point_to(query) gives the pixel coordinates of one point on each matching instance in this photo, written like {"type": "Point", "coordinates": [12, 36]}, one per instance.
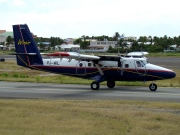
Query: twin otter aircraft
{"type": "Point", "coordinates": [97, 68]}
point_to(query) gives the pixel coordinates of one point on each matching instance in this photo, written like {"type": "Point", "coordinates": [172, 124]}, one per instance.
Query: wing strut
{"type": "Point", "coordinates": [99, 69]}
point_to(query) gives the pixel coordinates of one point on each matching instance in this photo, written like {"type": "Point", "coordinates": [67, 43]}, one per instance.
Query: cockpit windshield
{"type": "Point", "coordinates": [141, 63]}
{"type": "Point", "coordinates": [144, 62]}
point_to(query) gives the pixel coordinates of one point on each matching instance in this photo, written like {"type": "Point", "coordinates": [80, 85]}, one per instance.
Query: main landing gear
{"type": "Point", "coordinates": [95, 85]}
{"type": "Point", "coordinates": [110, 84]}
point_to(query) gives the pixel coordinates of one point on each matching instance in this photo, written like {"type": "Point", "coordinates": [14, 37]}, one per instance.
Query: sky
{"type": "Point", "coordinates": [75, 18]}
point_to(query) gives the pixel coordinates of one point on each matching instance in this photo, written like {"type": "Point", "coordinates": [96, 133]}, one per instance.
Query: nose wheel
{"type": "Point", "coordinates": [153, 87]}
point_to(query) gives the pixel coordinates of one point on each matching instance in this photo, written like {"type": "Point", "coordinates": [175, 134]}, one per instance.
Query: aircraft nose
{"type": "Point", "coordinates": [170, 74]}
{"type": "Point", "coordinates": [173, 74]}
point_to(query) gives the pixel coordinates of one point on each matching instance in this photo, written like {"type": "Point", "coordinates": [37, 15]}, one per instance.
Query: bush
{"type": "Point", "coordinates": [15, 75]}
{"type": "Point", "coordinates": [4, 74]}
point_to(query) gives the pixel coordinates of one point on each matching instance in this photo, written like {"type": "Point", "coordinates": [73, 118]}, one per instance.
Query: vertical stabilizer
{"type": "Point", "coordinates": [27, 52]}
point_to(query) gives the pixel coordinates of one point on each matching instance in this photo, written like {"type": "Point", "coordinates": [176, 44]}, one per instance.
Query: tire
{"type": "Point", "coordinates": [153, 87]}
{"type": "Point", "coordinates": [110, 84]}
{"type": "Point", "coordinates": [94, 85]}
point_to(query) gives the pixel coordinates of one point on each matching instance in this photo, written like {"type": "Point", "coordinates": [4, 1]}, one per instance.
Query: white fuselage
{"type": "Point", "coordinates": [125, 63]}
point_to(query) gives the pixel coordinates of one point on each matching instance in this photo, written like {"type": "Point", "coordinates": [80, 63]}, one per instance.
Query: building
{"type": "Point", "coordinates": [130, 38]}
{"type": "Point", "coordinates": [44, 43]}
{"type": "Point", "coordinates": [69, 40]}
{"type": "Point", "coordinates": [2, 39]}
{"type": "Point", "coordinates": [146, 43]}
{"type": "Point", "coordinates": [68, 47]}
{"type": "Point", "coordinates": [2, 47]}
{"type": "Point", "coordinates": [102, 45]}
{"type": "Point", "coordinates": [4, 34]}
{"type": "Point", "coordinates": [2, 31]}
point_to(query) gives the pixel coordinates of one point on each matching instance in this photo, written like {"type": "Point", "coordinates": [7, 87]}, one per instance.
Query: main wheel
{"type": "Point", "coordinates": [110, 84]}
{"type": "Point", "coordinates": [153, 87]}
{"type": "Point", "coordinates": [94, 85]}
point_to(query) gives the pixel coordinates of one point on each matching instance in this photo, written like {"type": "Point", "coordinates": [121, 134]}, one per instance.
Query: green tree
{"type": "Point", "coordinates": [9, 40]}
{"type": "Point", "coordinates": [41, 46]}
{"type": "Point", "coordinates": [135, 46]}
{"type": "Point", "coordinates": [83, 38]}
{"type": "Point", "coordinates": [150, 39]}
{"type": "Point", "coordinates": [84, 44]}
{"type": "Point", "coordinates": [142, 39]}
{"type": "Point", "coordinates": [121, 43]}
{"type": "Point", "coordinates": [55, 41]}
{"type": "Point", "coordinates": [116, 36]}
{"type": "Point", "coordinates": [77, 41]}
{"type": "Point", "coordinates": [110, 49]}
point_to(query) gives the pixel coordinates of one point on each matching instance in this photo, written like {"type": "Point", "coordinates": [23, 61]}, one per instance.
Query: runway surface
{"type": "Point", "coordinates": [167, 62]}
{"type": "Point", "coordinates": [84, 92]}
{"type": "Point", "coordinates": [61, 91]}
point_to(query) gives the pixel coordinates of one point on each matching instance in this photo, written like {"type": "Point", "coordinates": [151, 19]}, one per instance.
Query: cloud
{"type": "Point", "coordinates": [3, 0]}
{"type": "Point", "coordinates": [71, 18]}
{"type": "Point", "coordinates": [18, 3]}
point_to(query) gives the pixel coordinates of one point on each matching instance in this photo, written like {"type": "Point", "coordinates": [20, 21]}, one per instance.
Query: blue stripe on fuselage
{"type": "Point", "coordinates": [110, 73]}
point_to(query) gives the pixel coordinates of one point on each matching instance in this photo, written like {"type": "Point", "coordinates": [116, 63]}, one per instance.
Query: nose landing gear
{"type": "Point", "coordinates": [153, 87]}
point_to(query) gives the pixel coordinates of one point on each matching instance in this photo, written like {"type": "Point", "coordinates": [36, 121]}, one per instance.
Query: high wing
{"type": "Point", "coordinates": [74, 55]}
{"type": "Point", "coordinates": [137, 53]}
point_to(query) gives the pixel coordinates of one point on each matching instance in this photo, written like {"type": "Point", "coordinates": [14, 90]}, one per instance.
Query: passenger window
{"type": "Point", "coordinates": [89, 64]}
{"type": "Point", "coordinates": [126, 65]}
{"type": "Point", "coordinates": [100, 65]}
{"type": "Point", "coordinates": [80, 64]}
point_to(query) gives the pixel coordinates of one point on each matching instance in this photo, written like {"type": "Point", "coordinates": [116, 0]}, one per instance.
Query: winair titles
{"type": "Point", "coordinates": [22, 42]}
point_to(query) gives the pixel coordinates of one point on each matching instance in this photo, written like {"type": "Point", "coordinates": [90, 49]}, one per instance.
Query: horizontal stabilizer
{"type": "Point", "coordinates": [24, 54]}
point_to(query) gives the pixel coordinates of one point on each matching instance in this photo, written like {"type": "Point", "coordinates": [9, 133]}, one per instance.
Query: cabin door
{"type": "Point", "coordinates": [81, 68]}
{"type": "Point", "coordinates": [120, 66]}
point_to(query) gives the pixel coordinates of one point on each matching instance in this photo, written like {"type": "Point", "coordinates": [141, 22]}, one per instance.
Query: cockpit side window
{"type": "Point", "coordinates": [144, 62]}
{"type": "Point", "coordinates": [138, 63]}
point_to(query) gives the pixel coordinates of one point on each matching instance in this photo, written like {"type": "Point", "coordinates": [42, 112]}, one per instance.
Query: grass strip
{"type": "Point", "coordinates": [43, 116]}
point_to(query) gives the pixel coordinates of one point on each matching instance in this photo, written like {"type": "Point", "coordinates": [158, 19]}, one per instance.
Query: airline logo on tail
{"type": "Point", "coordinates": [22, 42]}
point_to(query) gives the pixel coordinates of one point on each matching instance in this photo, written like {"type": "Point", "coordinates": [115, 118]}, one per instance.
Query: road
{"type": "Point", "coordinates": [22, 90]}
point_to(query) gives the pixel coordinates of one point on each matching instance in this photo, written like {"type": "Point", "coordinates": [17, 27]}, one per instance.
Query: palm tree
{"type": "Point", "coordinates": [116, 36]}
